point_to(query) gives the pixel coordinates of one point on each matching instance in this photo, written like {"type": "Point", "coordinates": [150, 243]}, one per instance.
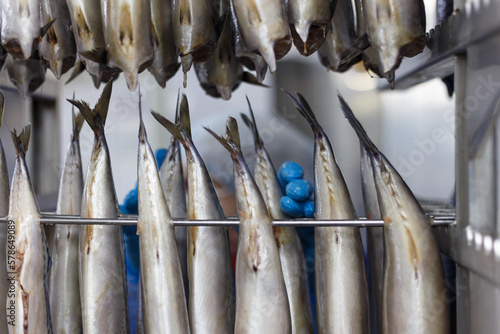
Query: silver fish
{"type": "Point", "coordinates": [263, 24]}
{"type": "Point", "coordinates": [166, 54]}
{"type": "Point", "coordinates": [211, 293]}
{"type": "Point", "coordinates": [4, 211]}
{"type": "Point", "coordinates": [261, 298]}
{"type": "Point", "coordinates": [64, 279]}
{"type": "Point", "coordinates": [57, 48]}
{"type": "Point", "coordinates": [309, 21]}
{"type": "Point", "coordinates": [341, 286]}
{"type": "Point", "coordinates": [128, 37]}
{"type": "Point", "coordinates": [26, 74]}
{"type": "Point", "coordinates": [290, 250]}
{"type": "Point", "coordinates": [413, 270]}
{"type": "Point", "coordinates": [28, 260]}
{"type": "Point", "coordinates": [164, 301]}
{"type": "Point", "coordinates": [103, 288]}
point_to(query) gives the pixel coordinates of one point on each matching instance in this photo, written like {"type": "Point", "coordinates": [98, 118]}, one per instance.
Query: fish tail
{"type": "Point", "coordinates": [22, 140]}
{"type": "Point", "coordinates": [231, 141]}
{"type": "Point", "coordinates": [2, 106]}
{"type": "Point", "coordinates": [142, 129]}
{"type": "Point", "coordinates": [77, 69]}
{"type": "Point", "coordinates": [96, 118]}
{"type": "Point", "coordinates": [252, 125]}
{"type": "Point", "coordinates": [305, 110]}
{"type": "Point", "coordinates": [356, 125]}
{"type": "Point", "coordinates": [355, 50]}
{"type": "Point", "coordinates": [182, 129]}
{"type": "Point", "coordinates": [77, 121]}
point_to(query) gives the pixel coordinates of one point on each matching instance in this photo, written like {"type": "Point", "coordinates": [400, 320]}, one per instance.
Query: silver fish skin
{"type": "Point", "coordinates": [309, 21]}
{"type": "Point", "coordinates": [263, 24]}
{"type": "Point", "coordinates": [370, 56]}
{"type": "Point", "coordinates": [103, 289]}
{"type": "Point", "coordinates": [211, 293]}
{"type": "Point", "coordinates": [261, 299]}
{"type": "Point", "coordinates": [57, 48]}
{"type": "Point", "coordinates": [290, 250]}
{"type": "Point", "coordinates": [128, 38]}
{"type": "Point", "coordinates": [413, 270]}
{"type": "Point", "coordinates": [28, 253]}
{"type": "Point", "coordinates": [166, 55]}
{"type": "Point", "coordinates": [342, 304]}
{"type": "Point", "coordinates": [64, 279]}
{"type": "Point", "coordinates": [164, 301]}
{"type": "Point", "coordinates": [26, 74]}
{"type": "Point", "coordinates": [4, 211]}
{"type": "Point", "coordinates": [194, 30]}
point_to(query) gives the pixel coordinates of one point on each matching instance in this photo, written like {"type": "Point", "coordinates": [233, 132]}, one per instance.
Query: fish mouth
{"type": "Point", "coordinates": [19, 49]}
{"type": "Point", "coordinates": [308, 38]}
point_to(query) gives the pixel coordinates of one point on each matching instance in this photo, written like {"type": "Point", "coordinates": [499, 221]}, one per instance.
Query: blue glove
{"type": "Point", "coordinates": [296, 203]}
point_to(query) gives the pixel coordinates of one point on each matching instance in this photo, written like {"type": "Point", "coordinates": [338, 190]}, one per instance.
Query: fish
{"type": "Point", "coordinates": [57, 48]}
{"type": "Point", "coordinates": [194, 31]}
{"type": "Point", "coordinates": [20, 28]}
{"type": "Point", "coordinates": [128, 39]}
{"type": "Point", "coordinates": [28, 259]}
{"type": "Point", "coordinates": [263, 25]}
{"type": "Point", "coordinates": [309, 22]}
{"type": "Point", "coordinates": [64, 278]}
{"type": "Point", "coordinates": [166, 55]}
{"type": "Point", "coordinates": [293, 263]}
{"type": "Point", "coordinates": [163, 299]}
{"type": "Point", "coordinates": [105, 73]}
{"type": "Point", "coordinates": [26, 74]}
{"type": "Point", "coordinates": [261, 298]}
{"type": "Point", "coordinates": [413, 270]}
{"type": "Point", "coordinates": [341, 284]}
{"type": "Point", "coordinates": [103, 285]}
{"type": "Point", "coordinates": [211, 292]}
{"type": "Point", "coordinates": [4, 211]}
{"type": "Point", "coordinates": [340, 35]}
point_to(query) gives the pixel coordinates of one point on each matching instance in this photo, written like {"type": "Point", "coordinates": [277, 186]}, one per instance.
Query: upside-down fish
{"type": "Point", "coordinates": [64, 279]}
{"type": "Point", "coordinates": [4, 211]}
{"type": "Point", "coordinates": [28, 259]}
{"type": "Point", "coordinates": [290, 250]}
{"type": "Point", "coordinates": [341, 285]}
{"type": "Point", "coordinates": [26, 74]}
{"type": "Point", "coordinates": [163, 299]}
{"type": "Point", "coordinates": [261, 298]}
{"type": "Point", "coordinates": [414, 279]}
{"type": "Point", "coordinates": [103, 288]}
{"type": "Point", "coordinates": [211, 293]}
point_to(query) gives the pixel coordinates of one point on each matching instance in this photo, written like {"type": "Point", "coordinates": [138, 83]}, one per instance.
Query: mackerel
{"type": "Point", "coordinates": [26, 74]}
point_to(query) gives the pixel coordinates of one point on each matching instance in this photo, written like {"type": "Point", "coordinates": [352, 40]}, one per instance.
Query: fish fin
{"type": "Point", "coordinates": [184, 123]}
{"type": "Point", "coordinates": [96, 55]}
{"type": "Point", "coordinates": [77, 69]}
{"type": "Point", "coordinates": [231, 140]}
{"type": "Point", "coordinates": [177, 106]}
{"type": "Point", "coordinates": [252, 79]}
{"type": "Point", "coordinates": [2, 106]}
{"type": "Point", "coordinates": [77, 121]}
{"type": "Point", "coordinates": [357, 48]}
{"type": "Point", "coordinates": [142, 129]}
{"type": "Point", "coordinates": [22, 140]}
{"type": "Point", "coordinates": [45, 28]}
{"type": "Point", "coordinates": [356, 125]}
{"type": "Point", "coordinates": [182, 129]}
{"type": "Point", "coordinates": [171, 127]}
{"type": "Point", "coordinates": [305, 110]}
{"type": "Point", "coordinates": [252, 125]}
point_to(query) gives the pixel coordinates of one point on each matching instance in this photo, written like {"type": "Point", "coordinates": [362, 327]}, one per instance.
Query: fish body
{"type": "Point", "coordinates": [413, 272]}
{"type": "Point", "coordinates": [103, 289]}
{"type": "Point", "coordinates": [64, 279]}
{"type": "Point", "coordinates": [28, 261]}
{"type": "Point", "coordinates": [165, 63]}
{"type": "Point", "coordinates": [4, 211]}
{"type": "Point", "coordinates": [26, 74]}
{"type": "Point", "coordinates": [211, 293]}
{"type": "Point", "coordinates": [309, 21]}
{"type": "Point", "coordinates": [128, 36]}
{"type": "Point", "coordinates": [57, 48]}
{"type": "Point", "coordinates": [261, 298]}
{"type": "Point", "coordinates": [293, 263]}
{"type": "Point", "coordinates": [341, 285]}
{"type": "Point", "coordinates": [163, 299]}
{"type": "Point", "coordinates": [263, 24]}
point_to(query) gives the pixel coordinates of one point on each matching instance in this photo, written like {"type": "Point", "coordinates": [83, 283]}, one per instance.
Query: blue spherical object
{"type": "Point", "coordinates": [299, 190]}
{"type": "Point", "coordinates": [291, 207]}
{"type": "Point", "coordinates": [290, 171]}
{"type": "Point", "coordinates": [282, 183]}
{"type": "Point", "coordinates": [309, 209]}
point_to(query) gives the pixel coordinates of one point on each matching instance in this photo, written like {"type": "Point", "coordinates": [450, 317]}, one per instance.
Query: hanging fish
{"type": "Point", "coordinates": [165, 63]}
{"type": "Point", "coordinates": [57, 48]}
{"type": "Point", "coordinates": [26, 74]}
{"type": "Point", "coordinates": [4, 211]}
{"type": "Point", "coordinates": [341, 294]}
{"type": "Point", "coordinates": [293, 263]}
{"type": "Point", "coordinates": [309, 21]}
{"type": "Point", "coordinates": [103, 286]}
{"type": "Point", "coordinates": [263, 24]}
{"type": "Point", "coordinates": [211, 293]}
{"type": "Point", "coordinates": [64, 279]}
{"type": "Point", "coordinates": [163, 299]}
{"type": "Point", "coordinates": [105, 73]}
{"type": "Point", "coordinates": [28, 262]}
{"type": "Point", "coordinates": [261, 298]}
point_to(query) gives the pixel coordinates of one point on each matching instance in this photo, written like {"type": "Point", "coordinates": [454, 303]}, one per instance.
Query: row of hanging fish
{"type": "Point", "coordinates": [220, 37]}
